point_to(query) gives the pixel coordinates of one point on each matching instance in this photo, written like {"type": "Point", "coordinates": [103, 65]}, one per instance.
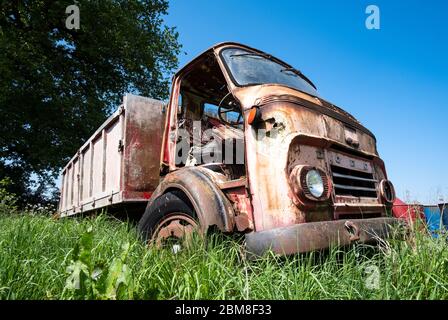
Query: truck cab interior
{"type": "Point", "coordinates": [207, 115]}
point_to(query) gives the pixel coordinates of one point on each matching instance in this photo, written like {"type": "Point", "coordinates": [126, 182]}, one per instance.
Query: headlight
{"type": "Point", "coordinates": [314, 183]}
{"type": "Point", "coordinates": [387, 191]}
{"type": "Point", "coordinates": [310, 183]}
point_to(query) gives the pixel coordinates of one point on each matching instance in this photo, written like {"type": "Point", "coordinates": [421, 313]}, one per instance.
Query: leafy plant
{"type": "Point", "coordinates": [89, 280]}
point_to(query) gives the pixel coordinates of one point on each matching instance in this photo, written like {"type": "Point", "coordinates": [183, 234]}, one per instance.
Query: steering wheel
{"type": "Point", "coordinates": [231, 107]}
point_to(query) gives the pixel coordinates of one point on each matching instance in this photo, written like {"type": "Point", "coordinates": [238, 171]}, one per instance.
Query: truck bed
{"type": "Point", "coordinates": [120, 162]}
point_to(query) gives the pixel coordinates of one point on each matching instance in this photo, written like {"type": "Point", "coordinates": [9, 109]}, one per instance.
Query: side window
{"type": "Point", "coordinates": [211, 110]}
{"type": "Point", "coordinates": [232, 116]}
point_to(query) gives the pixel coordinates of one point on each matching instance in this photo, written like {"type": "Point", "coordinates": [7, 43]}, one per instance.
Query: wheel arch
{"type": "Point", "coordinates": [210, 204]}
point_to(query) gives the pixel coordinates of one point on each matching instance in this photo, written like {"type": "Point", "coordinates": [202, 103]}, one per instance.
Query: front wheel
{"type": "Point", "coordinates": [169, 222]}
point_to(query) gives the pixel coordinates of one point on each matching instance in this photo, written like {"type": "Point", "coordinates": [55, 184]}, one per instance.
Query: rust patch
{"type": "Point", "coordinates": [312, 236]}
{"type": "Point", "coordinates": [242, 208]}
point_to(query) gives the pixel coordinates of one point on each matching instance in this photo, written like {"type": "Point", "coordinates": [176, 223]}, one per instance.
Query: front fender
{"type": "Point", "coordinates": [211, 205]}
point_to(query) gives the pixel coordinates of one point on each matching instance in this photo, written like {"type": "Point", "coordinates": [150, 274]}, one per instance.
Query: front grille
{"type": "Point", "coordinates": [353, 183]}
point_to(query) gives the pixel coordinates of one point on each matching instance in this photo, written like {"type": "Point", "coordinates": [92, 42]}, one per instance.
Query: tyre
{"type": "Point", "coordinates": [169, 221]}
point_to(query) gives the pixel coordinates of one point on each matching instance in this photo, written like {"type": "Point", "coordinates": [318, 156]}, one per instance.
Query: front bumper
{"type": "Point", "coordinates": [312, 236]}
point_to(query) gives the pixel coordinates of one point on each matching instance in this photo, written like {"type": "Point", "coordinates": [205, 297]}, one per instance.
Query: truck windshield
{"type": "Point", "coordinates": [251, 68]}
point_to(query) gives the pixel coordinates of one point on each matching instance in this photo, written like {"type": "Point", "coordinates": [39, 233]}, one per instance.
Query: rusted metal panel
{"type": "Point", "coordinates": [97, 167]}
{"type": "Point", "coordinates": [143, 132]}
{"type": "Point", "coordinates": [120, 162]}
{"type": "Point", "coordinates": [85, 173]}
{"type": "Point", "coordinates": [113, 136]}
{"type": "Point", "coordinates": [289, 125]}
{"type": "Point", "coordinates": [241, 205]}
{"type": "Point", "coordinates": [311, 236]}
{"type": "Point", "coordinates": [199, 184]}
{"type": "Point", "coordinates": [76, 177]}
{"type": "Point", "coordinates": [69, 186]}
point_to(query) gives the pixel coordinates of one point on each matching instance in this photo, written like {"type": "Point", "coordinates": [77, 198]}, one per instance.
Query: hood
{"type": "Point", "coordinates": [305, 114]}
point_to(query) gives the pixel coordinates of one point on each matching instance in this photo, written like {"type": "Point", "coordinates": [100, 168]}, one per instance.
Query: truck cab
{"type": "Point", "coordinates": [247, 144]}
{"type": "Point", "coordinates": [293, 171]}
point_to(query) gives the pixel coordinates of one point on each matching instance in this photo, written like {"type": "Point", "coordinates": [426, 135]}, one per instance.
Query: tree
{"type": "Point", "coordinates": [58, 84]}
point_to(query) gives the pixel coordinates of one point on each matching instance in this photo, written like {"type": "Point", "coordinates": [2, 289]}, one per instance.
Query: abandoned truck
{"type": "Point", "coordinates": [245, 144]}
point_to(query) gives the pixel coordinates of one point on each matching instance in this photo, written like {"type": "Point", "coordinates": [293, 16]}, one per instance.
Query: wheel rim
{"type": "Point", "coordinates": [174, 231]}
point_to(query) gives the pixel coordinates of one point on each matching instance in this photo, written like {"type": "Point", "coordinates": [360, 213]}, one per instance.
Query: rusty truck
{"type": "Point", "coordinates": [245, 144]}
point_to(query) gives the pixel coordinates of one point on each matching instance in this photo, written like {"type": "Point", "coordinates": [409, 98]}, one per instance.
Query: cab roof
{"type": "Point", "coordinates": [225, 44]}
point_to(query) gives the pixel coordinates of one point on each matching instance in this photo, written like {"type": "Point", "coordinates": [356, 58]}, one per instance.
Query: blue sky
{"type": "Point", "coordinates": [394, 80]}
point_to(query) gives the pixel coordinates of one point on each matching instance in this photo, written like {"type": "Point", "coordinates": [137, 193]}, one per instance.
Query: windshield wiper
{"type": "Point", "coordinates": [293, 70]}
{"type": "Point", "coordinates": [298, 73]}
{"type": "Point", "coordinates": [251, 54]}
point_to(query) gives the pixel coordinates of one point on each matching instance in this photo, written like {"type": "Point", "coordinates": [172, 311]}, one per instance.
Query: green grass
{"type": "Point", "coordinates": [102, 258]}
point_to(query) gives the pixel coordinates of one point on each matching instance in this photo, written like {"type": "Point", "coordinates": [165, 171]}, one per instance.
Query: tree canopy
{"type": "Point", "coordinates": [57, 84]}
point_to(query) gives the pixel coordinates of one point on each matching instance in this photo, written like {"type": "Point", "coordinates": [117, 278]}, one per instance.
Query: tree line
{"type": "Point", "coordinates": [58, 84]}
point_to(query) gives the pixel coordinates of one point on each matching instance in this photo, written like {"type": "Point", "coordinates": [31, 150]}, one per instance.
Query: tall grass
{"type": "Point", "coordinates": [101, 258]}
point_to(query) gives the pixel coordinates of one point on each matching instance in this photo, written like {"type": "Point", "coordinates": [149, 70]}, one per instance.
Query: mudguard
{"type": "Point", "coordinates": [211, 205]}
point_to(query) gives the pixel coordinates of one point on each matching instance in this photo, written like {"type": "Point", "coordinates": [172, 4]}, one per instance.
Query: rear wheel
{"type": "Point", "coordinates": [169, 222]}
